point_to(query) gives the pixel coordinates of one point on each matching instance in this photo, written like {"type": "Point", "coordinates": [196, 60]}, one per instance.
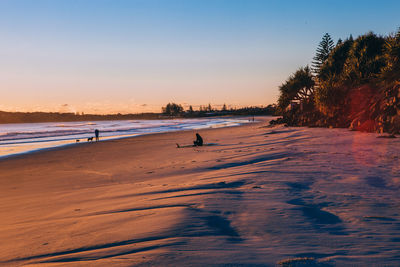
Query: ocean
{"type": "Point", "coordinates": [17, 138]}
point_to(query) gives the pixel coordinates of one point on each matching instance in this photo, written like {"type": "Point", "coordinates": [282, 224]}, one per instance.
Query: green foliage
{"type": "Point", "coordinates": [330, 90]}
{"type": "Point", "coordinates": [172, 109]}
{"type": "Point", "coordinates": [350, 64]}
{"type": "Point", "coordinates": [323, 50]}
{"type": "Point", "coordinates": [299, 86]}
{"type": "Point", "coordinates": [391, 72]}
{"type": "Point", "coordinates": [365, 60]}
{"type": "Point", "coordinates": [334, 64]}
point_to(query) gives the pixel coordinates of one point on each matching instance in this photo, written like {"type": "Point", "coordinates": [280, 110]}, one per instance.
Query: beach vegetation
{"type": "Point", "coordinates": [391, 71]}
{"type": "Point", "coordinates": [330, 90]}
{"type": "Point", "coordinates": [365, 60]}
{"type": "Point", "coordinates": [355, 83]}
{"type": "Point", "coordinates": [299, 86]}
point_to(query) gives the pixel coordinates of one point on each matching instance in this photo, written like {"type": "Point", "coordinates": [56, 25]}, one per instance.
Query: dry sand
{"type": "Point", "coordinates": [256, 196]}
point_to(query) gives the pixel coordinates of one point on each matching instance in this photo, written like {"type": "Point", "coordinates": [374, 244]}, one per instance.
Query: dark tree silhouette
{"type": "Point", "coordinates": [323, 50]}
{"type": "Point", "coordinates": [172, 109]}
{"type": "Point", "coordinates": [299, 86]}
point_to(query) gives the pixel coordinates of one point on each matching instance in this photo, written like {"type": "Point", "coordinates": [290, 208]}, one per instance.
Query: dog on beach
{"type": "Point", "coordinates": [90, 139]}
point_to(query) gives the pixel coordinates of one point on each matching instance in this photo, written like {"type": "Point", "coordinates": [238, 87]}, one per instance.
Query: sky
{"type": "Point", "coordinates": [114, 56]}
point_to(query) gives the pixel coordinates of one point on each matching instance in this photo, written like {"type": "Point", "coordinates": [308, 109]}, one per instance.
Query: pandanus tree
{"type": "Point", "coordinates": [299, 86]}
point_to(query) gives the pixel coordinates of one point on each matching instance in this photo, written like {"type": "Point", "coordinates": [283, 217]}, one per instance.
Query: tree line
{"type": "Point", "coordinates": [354, 83]}
{"type": "Point", "coordinates": [176, 110]}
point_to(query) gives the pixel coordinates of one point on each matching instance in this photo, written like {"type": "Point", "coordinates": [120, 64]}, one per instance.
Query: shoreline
{"type": "Point", "coordinates": [152, 119]}
{"type": "Point", "coordinates": [32, 117]}
{"type": "Point", "coordinates": [258, 196]}
{"type": "Point", "coordinates": [116, 137]}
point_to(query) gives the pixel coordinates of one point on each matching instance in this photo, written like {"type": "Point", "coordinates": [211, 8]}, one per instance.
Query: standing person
{"type": "Point", "coordinates": [96, 133]}
{"type": "Point", "coordinates": [199, 140]}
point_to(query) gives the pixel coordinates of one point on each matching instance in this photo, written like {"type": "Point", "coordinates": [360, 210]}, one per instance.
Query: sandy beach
{"type": "Point", "coordinates": [254, 196]}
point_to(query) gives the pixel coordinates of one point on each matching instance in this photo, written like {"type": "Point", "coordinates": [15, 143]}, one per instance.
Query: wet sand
{"type": "Point", "coordinates": [254, 196]}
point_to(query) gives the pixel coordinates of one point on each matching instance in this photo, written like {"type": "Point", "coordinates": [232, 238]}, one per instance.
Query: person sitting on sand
{"type": "Point", "coordinates": [199, 140]}
{"type": "Point", "coordinates": [96, 133]}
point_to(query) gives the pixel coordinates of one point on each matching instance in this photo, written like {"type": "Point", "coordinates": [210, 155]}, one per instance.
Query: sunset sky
{"type": "Point", "coordinates": [104, 56]}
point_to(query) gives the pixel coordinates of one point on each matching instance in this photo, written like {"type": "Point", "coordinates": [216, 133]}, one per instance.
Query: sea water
{"type": "Point", "coordinates": [16, 138]}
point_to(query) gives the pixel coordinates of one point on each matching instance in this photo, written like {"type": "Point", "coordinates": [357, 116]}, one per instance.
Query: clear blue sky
{"type": "Point", "coordinates": [129, 56]}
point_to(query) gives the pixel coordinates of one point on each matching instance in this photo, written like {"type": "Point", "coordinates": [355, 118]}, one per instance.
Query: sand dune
{"type": "Point", "coordinates": [257, 196]}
